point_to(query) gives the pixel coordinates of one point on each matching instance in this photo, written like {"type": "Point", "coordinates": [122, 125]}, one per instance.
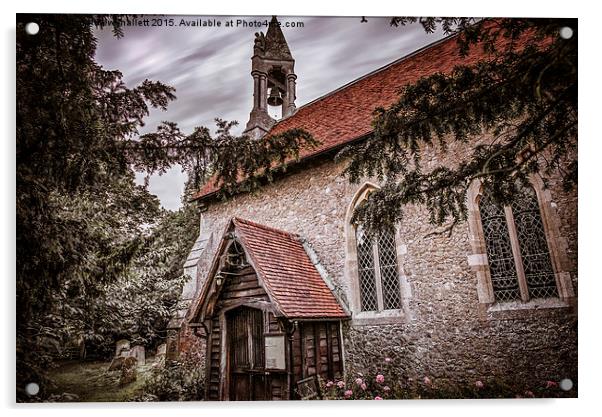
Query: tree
{"type": "Point", "coordinates": [138, 304]}
{"type": "Point", "coordinates": [524, 95]}
{"type": "Point", "coordinates": [109, 228]}
{"type": "Point", "coordinates": [77, 147]}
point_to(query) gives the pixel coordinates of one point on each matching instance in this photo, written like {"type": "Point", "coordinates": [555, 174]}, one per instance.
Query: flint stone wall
{"type": "Point", "coordinates": [445, 332]}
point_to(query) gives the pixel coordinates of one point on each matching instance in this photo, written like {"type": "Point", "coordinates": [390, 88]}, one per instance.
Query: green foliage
{"type": "Point", "coordinates": [524, 95]}
{"type": "Point", "coordinates": [178, 381]}
{"type": "Point", "coordinates": [237, 163]}
{"type": "Point", "coordinates": [103, 232]}
{"type": "Point", "coordinates": [246, 165]}
{"type": "Point", "coordinates": [137, 305]}
{"type": "Point", "coordinates": [141, 301]}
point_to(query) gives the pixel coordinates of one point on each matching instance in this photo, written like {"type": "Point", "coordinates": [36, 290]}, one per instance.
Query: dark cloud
{"type": "Point", "coordinates": [210, 67]}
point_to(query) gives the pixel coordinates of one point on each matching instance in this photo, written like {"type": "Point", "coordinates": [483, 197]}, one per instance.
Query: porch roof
{"type": "Point", "coordinates": [290, 277]}
{"type": "Point", "coordinates": [285, 270]}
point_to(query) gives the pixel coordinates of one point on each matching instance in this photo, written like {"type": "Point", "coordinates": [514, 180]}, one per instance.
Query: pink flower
{"type": "Point", "coordinates": [529, 394]}
{"type": "Point", "coordinates": [551, 384]}
{"type": "Point", "coordinates": [427, 381]}
{"type": "Point", "coordinates": [329, 384]}
{"type": "Point", "coordinates": [341, 384]}
{"type": "Point", "coordinates": [386, 388]}
{"type": "Point", "coordinates": [378, 398]}
{"type": "Point", "coordinates": [359, 381]}
{"type": "Point", "coordinates": [348, 393]}
{"type": "Point", "coordinates": [363, 386]}
{"type": "Point", "coordinates": [387, 360]}
{"type": "Point", "coordinates": [380, 378]}
{"type": "Point", "coordinates": [479, 384]}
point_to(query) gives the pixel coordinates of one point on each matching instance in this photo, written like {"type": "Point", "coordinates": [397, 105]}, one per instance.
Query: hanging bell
{"type": "Point", "coordinates": [275, 99]}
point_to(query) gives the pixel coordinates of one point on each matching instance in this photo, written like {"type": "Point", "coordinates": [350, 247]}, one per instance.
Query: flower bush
{"type": "Point", "coordinates": [388, 383]}
{"type": "Point", "coordinates": [359, 387]}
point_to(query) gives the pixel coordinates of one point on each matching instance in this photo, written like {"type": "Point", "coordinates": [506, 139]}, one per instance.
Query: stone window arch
{"type": "Point", "coordinates": [518, 254]}
{"type": "Point", "coordinates": [373, 268]}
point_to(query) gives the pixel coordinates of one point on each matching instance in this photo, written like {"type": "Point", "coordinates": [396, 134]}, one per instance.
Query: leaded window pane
{"type": "Point", "coordinates": [539, 273]}
{"type": "Point", "coordinates": [387, 259]}
{"type": "Point", "coordinates": [499, 251]}
{"type": "Point", "coordinates": [366, 272]}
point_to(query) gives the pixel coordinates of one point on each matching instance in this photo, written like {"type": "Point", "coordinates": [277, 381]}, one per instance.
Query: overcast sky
{"type": "Point", "coordinates": [210, 67]}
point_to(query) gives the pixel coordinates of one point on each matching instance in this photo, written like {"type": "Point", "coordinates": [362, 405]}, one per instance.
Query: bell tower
{"type": "Point", "coordinates": [274, 79]}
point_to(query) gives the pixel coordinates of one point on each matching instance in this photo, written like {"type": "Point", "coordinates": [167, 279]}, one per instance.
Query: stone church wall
{"type": "Point", "coordinates": [445, 333]}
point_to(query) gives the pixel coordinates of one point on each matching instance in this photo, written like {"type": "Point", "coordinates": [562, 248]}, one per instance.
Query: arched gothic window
{"type": "Point", "coordinates": [378, 287]}
{"type": "Point", "coordinates": [377, 271]}
{"type": "Point", "coordinates": [517, 249]}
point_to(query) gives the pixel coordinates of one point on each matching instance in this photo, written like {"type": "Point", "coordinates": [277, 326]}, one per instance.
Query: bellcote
{"type": "Point", "coordinates": [274, 79]}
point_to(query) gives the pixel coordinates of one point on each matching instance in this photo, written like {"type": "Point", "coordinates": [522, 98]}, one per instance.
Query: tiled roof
{"type": "Point", "coordinates": [290, 277]}
{"type": "Point", "coordinates": [345, 114]}
{"type": "Point", "coordinates": [285, 270]}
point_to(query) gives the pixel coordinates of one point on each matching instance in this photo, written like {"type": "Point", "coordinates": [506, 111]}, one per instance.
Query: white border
{"type": "Point", "coordinates": [590, 151]}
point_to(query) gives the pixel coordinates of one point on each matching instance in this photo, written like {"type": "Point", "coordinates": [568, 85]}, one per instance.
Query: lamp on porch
{"type": "Point", "coordinates": [219, 280]}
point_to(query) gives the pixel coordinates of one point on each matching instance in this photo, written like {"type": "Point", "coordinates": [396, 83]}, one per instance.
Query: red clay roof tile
{"type": "Point", "coordinates": [288, 273]}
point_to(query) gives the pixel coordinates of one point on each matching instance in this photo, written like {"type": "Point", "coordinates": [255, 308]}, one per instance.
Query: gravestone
{"type": "Point", "coordinates": [122, 345]}
{"type": "Point", "coordinates": [161, 349]}
{"type": "Point", "coordinates": [138, 352]}
{"type": "Point", "coordinates": [160, 355]}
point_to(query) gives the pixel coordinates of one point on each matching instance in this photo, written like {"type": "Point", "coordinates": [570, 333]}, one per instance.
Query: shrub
{"type": "Point", "coordinates": [181, 380]}
{"type": "Point", "coordinates": [388, 383]}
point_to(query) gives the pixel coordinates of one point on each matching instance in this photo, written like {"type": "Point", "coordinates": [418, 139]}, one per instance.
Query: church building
{"type": "Point", "coordinates": [284, 288]}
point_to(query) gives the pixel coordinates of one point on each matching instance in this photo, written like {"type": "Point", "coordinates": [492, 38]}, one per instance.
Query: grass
{"type": "Point", "coordinates": [91, 381]}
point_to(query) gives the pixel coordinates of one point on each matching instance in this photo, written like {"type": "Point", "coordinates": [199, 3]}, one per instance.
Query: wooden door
{"type": "Point", "coordinates": [248, 379]}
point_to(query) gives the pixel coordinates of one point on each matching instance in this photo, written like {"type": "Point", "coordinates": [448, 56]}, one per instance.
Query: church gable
{"type": "Point", "coordinates": [255, 263]}
{"type": "Point", "coordinates": [239, 280]}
